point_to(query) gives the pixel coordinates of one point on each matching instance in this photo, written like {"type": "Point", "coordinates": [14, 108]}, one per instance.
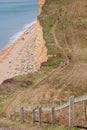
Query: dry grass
{"type": "Point", "coordinates": [26, 126]}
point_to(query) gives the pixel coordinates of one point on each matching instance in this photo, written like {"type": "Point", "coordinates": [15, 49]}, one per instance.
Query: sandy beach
{"type": "Point", "coordinates": [19, 57]}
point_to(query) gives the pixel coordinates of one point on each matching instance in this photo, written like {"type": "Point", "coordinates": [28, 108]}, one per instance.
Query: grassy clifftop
{"type": "Point", "coordinates": [71, 29]}
{"type": "Point", "coordinates": [65, 31]}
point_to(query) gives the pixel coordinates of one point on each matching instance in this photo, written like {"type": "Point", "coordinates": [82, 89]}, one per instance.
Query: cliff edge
{"type": "Point", "coordinates": [40, 46]}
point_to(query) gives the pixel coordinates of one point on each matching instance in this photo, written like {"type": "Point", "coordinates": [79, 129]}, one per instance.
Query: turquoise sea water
{"type": "Point", "coordinates": [15, 17]}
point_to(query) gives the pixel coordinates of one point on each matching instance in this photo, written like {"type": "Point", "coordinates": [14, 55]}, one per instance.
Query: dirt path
{"type": "Point", "coordinates": [55, 38]}
{"type": "Point", "coordinates": [8, 106]}
{"type": "Point", "coordinates": [58, 45]}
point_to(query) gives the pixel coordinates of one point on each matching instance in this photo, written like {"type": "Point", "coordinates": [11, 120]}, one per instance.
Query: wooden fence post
{"type": "Point", "coordinates": [22, 114]}
{"type": "Point", "coordinates": [52, 115]}
{"type": "Point", "coordinates": [71, 111]}
{"type": "Point", "coordinates": [33, 116]}
{"type": "Point", "coordinates": [40, 116]}
{"type": "Point", "coordinates": [85, 112]}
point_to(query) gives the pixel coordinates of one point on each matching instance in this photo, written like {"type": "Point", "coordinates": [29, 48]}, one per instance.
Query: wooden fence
{"type": "Point", "coordinates": [70, 104]}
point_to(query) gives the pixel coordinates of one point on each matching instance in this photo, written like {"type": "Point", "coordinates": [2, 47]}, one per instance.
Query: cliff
{"type": "Point", "coordinates": [40, 46]}
{"type": "Point", "coordinates": [41, 3]}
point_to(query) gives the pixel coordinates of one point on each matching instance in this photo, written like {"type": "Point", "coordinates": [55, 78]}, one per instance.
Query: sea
{"type": "Point", "coordinates": [15, 17]}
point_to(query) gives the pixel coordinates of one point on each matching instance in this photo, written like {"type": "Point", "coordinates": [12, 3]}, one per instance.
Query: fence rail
{"type": "Point", "coordinates": [76, 100]}
{"type": "Point", "coordinates": [52, 110]}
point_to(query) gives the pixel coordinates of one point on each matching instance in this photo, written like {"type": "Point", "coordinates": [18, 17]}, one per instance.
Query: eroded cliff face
{"type": "Point", "coordinates": [40, 47]}
{"type": "Point", "coordinates": [41, 3]}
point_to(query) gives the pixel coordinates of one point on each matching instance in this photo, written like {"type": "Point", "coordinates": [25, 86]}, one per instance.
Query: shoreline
{"type": "Point", "coordinates": [17, 35]}
{"type": "Point", "coordinates": [19, 57]}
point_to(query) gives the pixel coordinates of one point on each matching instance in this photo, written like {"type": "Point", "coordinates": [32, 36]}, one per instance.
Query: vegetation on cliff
{"type": "Point", "coordinates": [71, 29]}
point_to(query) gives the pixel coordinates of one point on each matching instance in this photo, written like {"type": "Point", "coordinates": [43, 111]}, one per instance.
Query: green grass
{"type": "Point", "coordinates": [24, 126]}
{"type": "Point", "coordinates": [56, 127]}
{"type": "Point", "coordinates": [4, 99]}
{"type": "Point", "coordinates": [71, 28]}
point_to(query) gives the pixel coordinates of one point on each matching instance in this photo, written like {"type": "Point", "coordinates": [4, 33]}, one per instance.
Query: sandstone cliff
{"type": "Point", "coordinates": [41, 3]}
{"type": "Point", "coordinates": [40, 47]}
